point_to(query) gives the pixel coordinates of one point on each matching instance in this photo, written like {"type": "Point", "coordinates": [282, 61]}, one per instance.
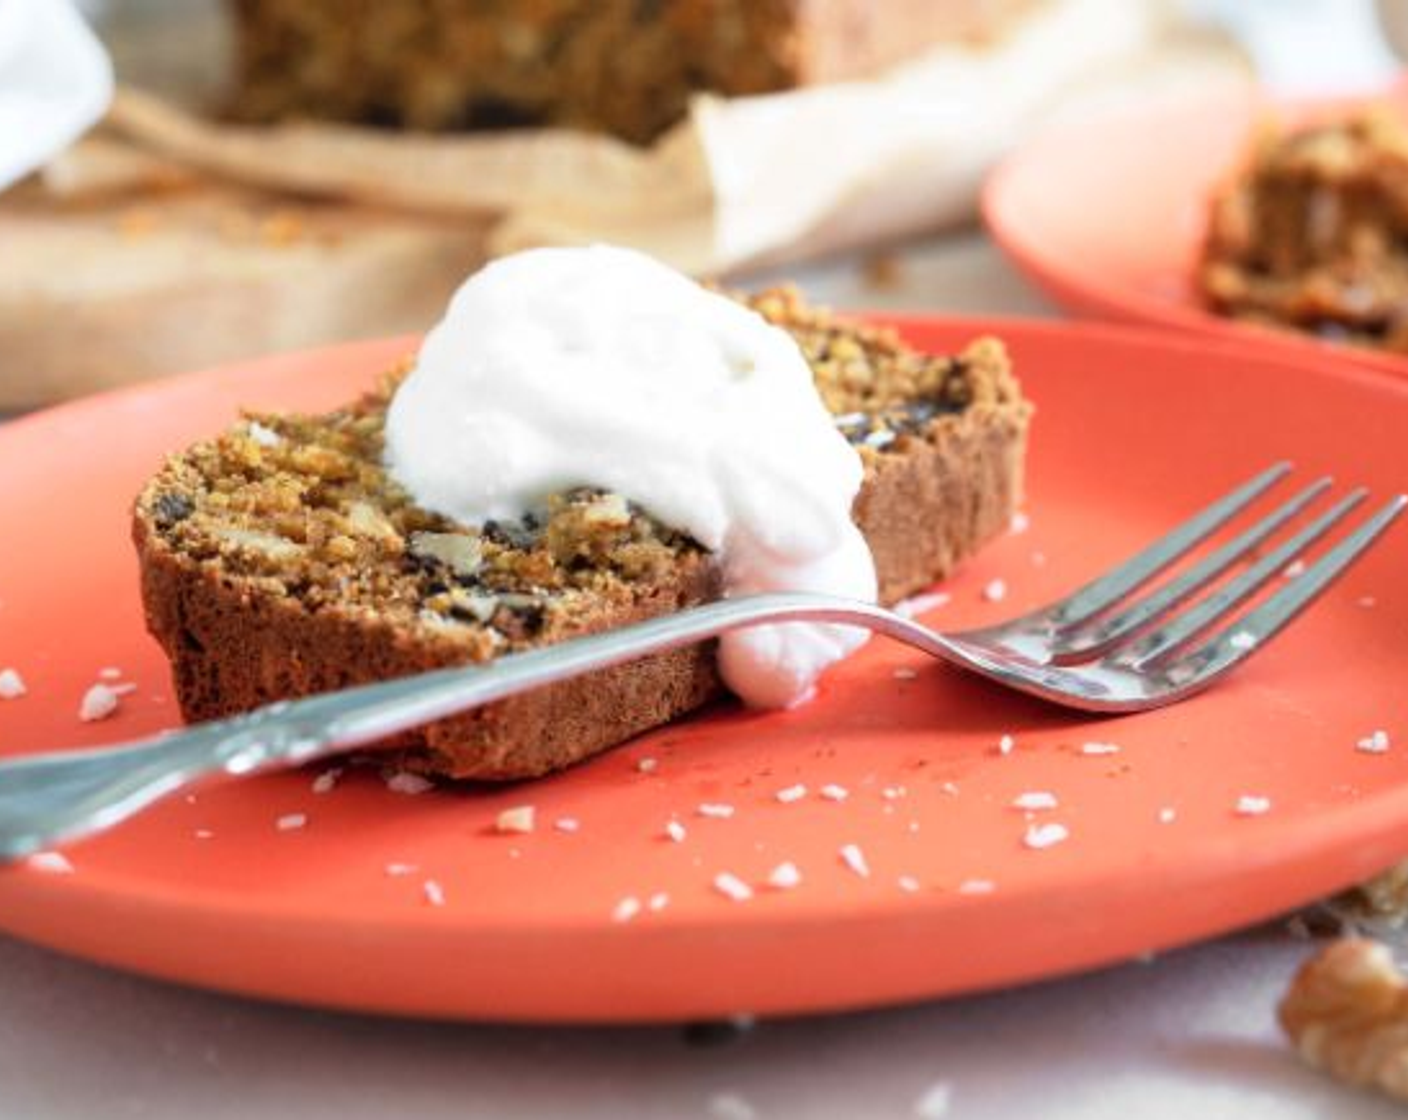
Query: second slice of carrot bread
{"type": "Point", "coordinates": [1311, 234]}
{"type": "Point", "coordinates": [279, 559]}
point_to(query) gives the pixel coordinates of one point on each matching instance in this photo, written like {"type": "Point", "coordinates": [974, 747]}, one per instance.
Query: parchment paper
{"type": "Point", "coordinates": [742, 180]}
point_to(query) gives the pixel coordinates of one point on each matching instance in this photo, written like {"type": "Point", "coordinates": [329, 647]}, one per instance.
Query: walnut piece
{"type": "Point", "coordinates": [1347, 1013]}
{"type": "Point", "coordinates": [461, 553]}
{"type": "Point", "coordinates": [268, 545]}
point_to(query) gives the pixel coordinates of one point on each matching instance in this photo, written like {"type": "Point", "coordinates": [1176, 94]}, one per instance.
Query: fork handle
{"type": "Point", "coordinates": [63, 795]}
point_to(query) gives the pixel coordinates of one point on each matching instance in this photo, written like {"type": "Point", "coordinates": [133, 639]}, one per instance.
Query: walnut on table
{"type": "Point", "coordinates": [1346, 1012]}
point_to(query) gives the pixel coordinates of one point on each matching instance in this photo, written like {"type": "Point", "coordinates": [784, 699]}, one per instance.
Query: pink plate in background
{"type": "Point", "coordinates": [1107, 216]}
{"type": "Point", "coordinates": [1132, 434]}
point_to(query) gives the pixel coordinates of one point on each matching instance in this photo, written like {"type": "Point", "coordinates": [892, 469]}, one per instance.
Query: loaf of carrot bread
{"type": "Point", "coordinates": [618, 66]}
{"type": "Point", "coordinates": [280, 559]}
{"type": "Point", "coordinates": [1313, 233]}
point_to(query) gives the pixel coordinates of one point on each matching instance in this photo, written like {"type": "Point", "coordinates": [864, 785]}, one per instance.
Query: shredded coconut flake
{"type": "Point", "coordinates": [109, 673]}
{"type": "Point", "coordinates": [647, 765]}
{"type": "Point", "coordinates": [977, 886]}
{"type": "Point", "coordinates": [1038, 837]}
{"type": "Point", "coordinates": [434, 892]}
{"type": "Point", "coordinates": [1020, 522]}
{"type": "Point", "coordinates": [893, 793]}
{"type": "Point", "coordinates": [99, 702]}
{"type": "Point", "coordinates": [908, 883]}
{"type": "Point", "coordinates": [854, 858]}
{"type": "Point", "coordinates": [1168, 815]}
{"type": "Point", "coordinates": [833, 792]}
{"type": "Point", "coordinates": [326, 782]}
{"type": "Point", "coordinates": [732, 887]}
{"type": "Point", "coordinates": [905, 673]}
{"type": "Point", "coordinates": [715, 811]}
{"type": "Point", "coordinates": [675, 831]}
{"type": "Point", "coordinates": [1242, 640]}
{"type": "Point", "coordinates": [791, 794]}
{"type": "Point", "coordinates": [1006, 744]}
{"type": "Point", "coordinates": [933, 1105]}
{"type": "Point", "coordinates": [1253, 805]}
{"type": "Point", "coordinates": [1035, 800]}
{"type": "Point", "coordinates": [51, 863]}
{"type": "Point", "coordinates": [1294, 570]}
{"type": "Point", "coordinates": [11, 684]}
{"type": "Point", "coordinates": [784, 876]}
{"type": "Point", "coordinates": [404, 781]}
{"type": "Point", "coordinates": [658, 901]}
{"type": "Point", "coordinates": [519, 819]}
{"type": "Point", "coordinates": [626, 909]}
{"type": "Point", "coordinates": [399, 870]}
{"type": "Point", "coordinates": [1099, 748]}
{"type": "Point", "coordinates": [995, 590]}
{"type": "Point", "coordinates": [567, 824]}
{"type": "Point", "coordinates": [264, 437]}
{"type": "Point", "coordinates": [204, 834]}
{"type": "Point", "coordinates": [1377, 742]}
{"type": "Point", "coordinates": [950, 788]}
{"type": "Point", "coordinates": [291, 821]}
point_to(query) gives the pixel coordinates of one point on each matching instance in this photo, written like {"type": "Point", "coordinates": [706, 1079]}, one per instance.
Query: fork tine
{"type": "Point", "coordinates": [1170, 637]}
{"type": "Point", "coordinates": [1238, 640]}
{"type": "Point", "coordinates": [1090, 641]}
{"type": "Point", "coordinates": [1110, 588]}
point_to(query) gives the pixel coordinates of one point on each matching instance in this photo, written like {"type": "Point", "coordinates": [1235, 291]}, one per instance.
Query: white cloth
{"type": "Point", "coordinates": [1313, 48]}
{"type": "Point", "coordinates": [55, 82]}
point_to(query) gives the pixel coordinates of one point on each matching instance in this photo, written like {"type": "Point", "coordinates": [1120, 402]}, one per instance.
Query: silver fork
{"type": "Point", "coordinates": [1095, 650]}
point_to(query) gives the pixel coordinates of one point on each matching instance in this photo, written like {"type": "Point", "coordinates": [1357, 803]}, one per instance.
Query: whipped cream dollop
{"type": "Point", "coordinates": [556, 368]}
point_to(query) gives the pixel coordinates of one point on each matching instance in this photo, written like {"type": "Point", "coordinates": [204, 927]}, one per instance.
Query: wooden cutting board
{"type": "Point", "coordinates": [121, 286]}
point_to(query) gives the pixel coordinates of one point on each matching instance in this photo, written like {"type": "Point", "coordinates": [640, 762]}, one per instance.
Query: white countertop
{"type": "Point", "coordinates": [1189, 1034]}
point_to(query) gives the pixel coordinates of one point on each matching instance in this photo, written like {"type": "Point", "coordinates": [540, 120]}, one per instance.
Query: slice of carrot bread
{"type": "Point", "coordinates": [621, 66]}
{"type": "Point", "coordinates": [279, 559]}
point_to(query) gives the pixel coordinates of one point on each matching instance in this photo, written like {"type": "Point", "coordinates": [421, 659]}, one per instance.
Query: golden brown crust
{"type": "Point", "coordinates": [246, 589]}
